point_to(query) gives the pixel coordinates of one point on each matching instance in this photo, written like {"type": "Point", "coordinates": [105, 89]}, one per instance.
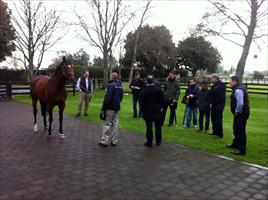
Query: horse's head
{"type": "Point", "coordinates": [67, 69]}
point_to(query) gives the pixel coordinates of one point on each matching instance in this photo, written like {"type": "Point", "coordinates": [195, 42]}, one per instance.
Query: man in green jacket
{"type": "Point", "coordinates": [171, 96]}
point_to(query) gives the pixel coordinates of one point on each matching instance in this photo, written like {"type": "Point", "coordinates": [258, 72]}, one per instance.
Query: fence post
{"type": "Point", "coordinates": [9, 90]}
{"type": "Point", "coordinates": [73, 89]}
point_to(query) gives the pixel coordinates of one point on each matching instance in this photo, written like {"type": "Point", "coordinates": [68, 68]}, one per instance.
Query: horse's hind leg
{"type": "Point", "coordinates": [50, 119]}
{"type": "Point", "coordinates": [34, 102]}
{"type": "Point", "coordinates": [44, 112]}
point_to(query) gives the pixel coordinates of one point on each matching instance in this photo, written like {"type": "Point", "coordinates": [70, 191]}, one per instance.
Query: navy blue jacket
{"type": "Point", "coordinates": [217, 94]}
{"type": "Point", "coordinates": [203, 101]}
{"type": "Point", "coordinates": [194, 90]}
{"type": "Point", "coordinates": [113, 96]}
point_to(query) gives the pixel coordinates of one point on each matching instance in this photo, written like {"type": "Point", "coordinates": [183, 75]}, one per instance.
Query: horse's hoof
{"type": "Point", "coordinates": [35, 129]}
{"type": "Point", "coordinates": [61, 136]}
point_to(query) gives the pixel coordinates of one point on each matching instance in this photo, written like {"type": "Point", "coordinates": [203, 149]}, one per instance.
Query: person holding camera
{"type": "Point", "coordinates": [110, 110]}
{"type": "Point", "coordinates": [191, 95]}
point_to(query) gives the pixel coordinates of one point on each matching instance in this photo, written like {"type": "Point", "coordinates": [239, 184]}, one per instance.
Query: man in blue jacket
{"type": "Point", "coordinates": [110, 109]}
{"type": "Point", "coordinates": [191, 94]}
{"type": "Point", "coordinates": [217, 98]}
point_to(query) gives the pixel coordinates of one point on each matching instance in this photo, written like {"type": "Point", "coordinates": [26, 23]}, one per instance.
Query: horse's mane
{"type": "Point", "coordinates": [59, 67]}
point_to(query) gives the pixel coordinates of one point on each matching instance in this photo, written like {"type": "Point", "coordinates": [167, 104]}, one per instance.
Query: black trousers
{"type": "Point", "coordinates": [216, 119]}
{"type": "Point", "coordinates": [239, 128]}
{"type": "Point", "coordinates": [203, 114]}
{"type": "Point", "coordinates": [149, 130]}
{"type": "Point", "coordinates": [173, 108]}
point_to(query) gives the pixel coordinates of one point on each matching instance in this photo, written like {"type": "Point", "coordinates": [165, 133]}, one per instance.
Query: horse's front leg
{"type": "Point", "coordinates": [50, 109]}
{"type": "Point", "coordinates": [61, 109]}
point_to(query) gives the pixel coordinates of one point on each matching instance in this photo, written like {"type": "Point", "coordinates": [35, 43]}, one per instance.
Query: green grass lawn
{"type": "Point", "coordinates": [257, 128]}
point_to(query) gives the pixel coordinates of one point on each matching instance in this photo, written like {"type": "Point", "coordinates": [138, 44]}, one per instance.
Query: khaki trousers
{"type": "Point", "coordinates": [110, 128]}
{"type": "Point", "coordinates": [84, 97]}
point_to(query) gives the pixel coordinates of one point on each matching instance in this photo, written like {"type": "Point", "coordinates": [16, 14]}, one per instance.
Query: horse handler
{"type": "Point", "coordinates": [110, 110]}
{"type": "Point", "coordinates": [85, 86]}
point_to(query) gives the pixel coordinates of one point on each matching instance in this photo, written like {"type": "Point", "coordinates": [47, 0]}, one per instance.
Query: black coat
{"type": "Point", "coordinates": [152, 101]}
{"type": "Point", "coordinates": [217, 94]}
{"type": "Point", "coordinates": [138, 83]}
{"type": "Point", "coordinates": [194, 90]}
{"type": "Point", "coordinates": [203, 101]}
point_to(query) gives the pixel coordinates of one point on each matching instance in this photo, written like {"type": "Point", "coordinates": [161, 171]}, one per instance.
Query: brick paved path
{"type": "Point", "coordinates": [34, 167]}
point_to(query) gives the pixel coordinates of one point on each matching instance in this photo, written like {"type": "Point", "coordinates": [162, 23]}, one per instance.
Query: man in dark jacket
{"type": "Point", "coordinates": [110, 109]}
{"type": "Point", "coordinates": [204, 107]}
{"type": "Point", "coordinates": [136, 86]}
{"type": "Point", "coordinates": [241, 111]}
{"type": "Point", "coordinates": [191, 94]}
{"type": "Point", "coordinates": [152, 101]}
{"type": "Point", "coordinates": [217, 99]}
{"type": "Point", "coordinates": [85, 86]}
{"type": "Point", "coordinates": [171, 95]}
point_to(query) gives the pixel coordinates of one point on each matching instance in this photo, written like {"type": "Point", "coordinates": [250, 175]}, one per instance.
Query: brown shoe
{"type": "Point", "coordinates": [77, 115]}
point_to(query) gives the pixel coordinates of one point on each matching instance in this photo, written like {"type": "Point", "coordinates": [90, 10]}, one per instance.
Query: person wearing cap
{"type": "Point", "coordinates": [136, 86]}
{"type": "Point", "coordinates": [171, 96]}
{"type": "Point", "coordinates": [241, 111]}
{"type": "Point", "coordinates": [217, 98]}
{"type": "Point", "coordinates": [85, 86]}
{"type": "Point", "coordinates": [110, 109]}
{"type": "Point", "coordinates": [152, 101]}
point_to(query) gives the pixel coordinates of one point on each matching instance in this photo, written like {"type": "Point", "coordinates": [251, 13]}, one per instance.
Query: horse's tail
{"type": "Point", "coordinates": [43, 108]}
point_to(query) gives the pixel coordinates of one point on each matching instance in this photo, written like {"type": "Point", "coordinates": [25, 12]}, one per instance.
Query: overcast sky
{"type": "Point", "coordinates": [178, 16]}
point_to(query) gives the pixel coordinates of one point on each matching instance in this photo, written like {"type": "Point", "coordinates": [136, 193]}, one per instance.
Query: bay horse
{"type": "Point", "coordinates": [51, 91]}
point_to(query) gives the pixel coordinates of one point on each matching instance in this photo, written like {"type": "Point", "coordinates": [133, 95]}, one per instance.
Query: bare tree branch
{"type": "Point", "coordinates": [109, 19]}
{"type": "Point", "coordinates": [35, 28]}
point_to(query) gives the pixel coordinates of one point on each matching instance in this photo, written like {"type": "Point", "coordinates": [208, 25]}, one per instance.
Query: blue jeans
{"type": "Point", "coordinates": [135, 100]}
{"type": "Point", "coordinates": [191, 110]}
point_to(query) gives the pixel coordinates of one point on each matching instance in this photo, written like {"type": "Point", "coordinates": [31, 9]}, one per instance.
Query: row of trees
{"type": "Point", "coordinates": [37, 30]}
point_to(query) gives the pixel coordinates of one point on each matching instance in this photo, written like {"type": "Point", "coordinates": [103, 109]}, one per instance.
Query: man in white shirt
{"type": "Point", "coordinates": [85, 86]}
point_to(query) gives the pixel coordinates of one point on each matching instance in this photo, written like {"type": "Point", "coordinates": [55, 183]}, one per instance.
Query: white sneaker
{"type": "Point", "coordinates": [195, 126]}
{"type": "Point", "coordinates": [61, 136]}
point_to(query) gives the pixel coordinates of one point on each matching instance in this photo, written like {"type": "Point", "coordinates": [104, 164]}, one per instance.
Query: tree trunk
{"type": "Point", "coordinates": [105, 69]}
{"type": "Point", "coordinates": [248, 40]}
{"type": "Point", "coordinates": [134, 57]}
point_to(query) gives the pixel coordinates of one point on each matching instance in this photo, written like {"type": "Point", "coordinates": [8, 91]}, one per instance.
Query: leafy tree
{"type": "Point", "coordinates": [195, 53]}
{"type": "Point", "coordinates": [7, 32]}
{"type": "Point", "coordinates": [97, 61]}
{"type": "Point", "coordinates": [155, 49]}
{"type": "Point", "coordinates": [258, 75]}
{"type": "Point", "coordinates": [81, 58]}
